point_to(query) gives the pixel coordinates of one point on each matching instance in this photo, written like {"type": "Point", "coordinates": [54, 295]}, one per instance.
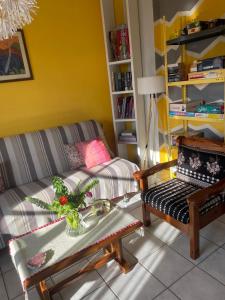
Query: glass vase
{"type": "Point", "coordinates": [80, 229]}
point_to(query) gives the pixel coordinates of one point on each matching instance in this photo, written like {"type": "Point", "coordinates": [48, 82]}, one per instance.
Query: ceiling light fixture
{"type": "Point", "coordinates": [14, 15]}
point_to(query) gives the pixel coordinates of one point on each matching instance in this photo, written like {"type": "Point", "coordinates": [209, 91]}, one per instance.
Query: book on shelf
{"type": "Point", "coordinates": [128, 136]}
{"type": "Point", "coordinates": [206, 115]}
{"type": "Point", "coordinates": [197, 115]}
{"type": "Point", "coordinates": [214, 74]}
{"type": "Point", "coordinates": [128, 133]}
{"type": "Point", "coordinates": [121, 81]}
{"type": "Point", "coordinates": [184, 107]}
{"type": "Point", "coordinates": [119, 42]}
{"type": "Point", "coordinates": [182, 113]}
{"type": "Point", "coordinates": [176, 72]}
{"type": "Point", "coordinates": [125, 107]}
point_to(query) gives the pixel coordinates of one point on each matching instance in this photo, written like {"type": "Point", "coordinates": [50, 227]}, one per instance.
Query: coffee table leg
{"type": "Point", "coordinates": [43, 291]}
{"type": "Point", "coordinates": [117, 248]}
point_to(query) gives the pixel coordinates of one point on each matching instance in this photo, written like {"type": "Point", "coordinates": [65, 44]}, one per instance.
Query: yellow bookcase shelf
{"type": "Point", "coordinates": [184, 84]}
{"type": "Point", "coordinates": [196, 82]}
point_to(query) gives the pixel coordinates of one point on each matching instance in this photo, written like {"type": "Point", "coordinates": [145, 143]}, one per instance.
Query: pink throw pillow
{"type": "Point", "coordinates": [93, 152]}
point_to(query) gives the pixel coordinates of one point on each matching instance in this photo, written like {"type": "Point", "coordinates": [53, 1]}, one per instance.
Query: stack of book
{"type": "Point", "coordinates": [176, 72]}
{"type": "Point", "coordinates": [125, 107]}
{"type": "Point", "coordinates": [128, 137]}
{"type": "Point", "coordinates": [195, 114]}
{"type": "Point", "coordinates": [185, 107]}
{"type": "Point", "coordinates": [119, 41]}
{"type": "Point", "coordinates": [122, 81]}
{"type": "Point", "coordinates": [207, 74]}
{"type": "Point", "coordinates": [198, 109]}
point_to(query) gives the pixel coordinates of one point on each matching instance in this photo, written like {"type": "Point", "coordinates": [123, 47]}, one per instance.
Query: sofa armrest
{"type": "Point", "coordinates": [200, 197]}
{"type": "Point", "coordinates": [142, 175]}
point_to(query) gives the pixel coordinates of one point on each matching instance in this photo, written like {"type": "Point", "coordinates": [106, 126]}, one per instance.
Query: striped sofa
{"type": "Point", "coordinates": [28, 161]}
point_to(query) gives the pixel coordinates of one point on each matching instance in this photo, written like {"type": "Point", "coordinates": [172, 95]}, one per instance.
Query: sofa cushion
{"type": "Point", "coordinates": [75, 160]}
{"type": "Point", "coordinates": [199, 167]}
{"type": "Point", "coordinates": [28, 157]}
{"type": "Point", "coordinates": [93, 152]}
{"type": "Point", "coordinates": [18, 216]}
{"type": "Point", "coordinates": [171, 198]}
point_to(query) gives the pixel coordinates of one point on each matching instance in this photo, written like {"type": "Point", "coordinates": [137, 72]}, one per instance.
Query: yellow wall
{"type": "Point", "coordinates": [66, 49]}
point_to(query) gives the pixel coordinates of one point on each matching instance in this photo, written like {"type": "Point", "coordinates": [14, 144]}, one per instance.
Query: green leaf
{"type": "Point", "coordinates": [59, 186]}
{"type": "Point", "coordinates": [39, 203]}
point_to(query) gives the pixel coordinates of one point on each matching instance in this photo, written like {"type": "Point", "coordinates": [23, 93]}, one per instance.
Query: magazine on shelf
{"type": "Point", "coordinates": [119, 42]}
{"type": "Point", "coordinates": [125, 107]}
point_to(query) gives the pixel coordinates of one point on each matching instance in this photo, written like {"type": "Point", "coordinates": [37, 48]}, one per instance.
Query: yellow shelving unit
{"type": "Point", "coordinates": [198, 119]}
{"type": "Point", "coordinates": [196, 81]}
{"type": "Point", "coordinates": [184, 84]}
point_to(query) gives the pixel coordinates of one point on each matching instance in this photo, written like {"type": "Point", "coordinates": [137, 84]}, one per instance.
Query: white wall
{"type": "Point", "coordinates": [147, 36]}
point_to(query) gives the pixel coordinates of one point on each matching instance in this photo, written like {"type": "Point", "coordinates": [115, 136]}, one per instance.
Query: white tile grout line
{"type": "Point", "coordinates": [164, 292]}
{"type": "Point", "coordinates": [105, 284]}
{"type": "Point", "coordinates": [166, 288]}
{"type": "Point", "coordinates": [174, 294]}
{"type": "Point", "coordinates": [206, 271]}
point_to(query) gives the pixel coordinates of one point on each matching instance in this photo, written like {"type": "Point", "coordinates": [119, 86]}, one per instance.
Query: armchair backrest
{"type": "Point", "coordinates": [200, 161]}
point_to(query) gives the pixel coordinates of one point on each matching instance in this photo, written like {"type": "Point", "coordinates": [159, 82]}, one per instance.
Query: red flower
{"type": "Point", "coordinates": [63, 200]}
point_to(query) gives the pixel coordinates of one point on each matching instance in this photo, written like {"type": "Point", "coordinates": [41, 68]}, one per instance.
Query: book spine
{"type": "Point", "coordinates": [178, 107]}
{"type": "Point", "coordinates": [197, 115]}
{"type": "Point", "coordinates": [180, 113]}
{"type": "Point", "coordinates": [212, 116]}
{"type": "Point", "coordinates": [113, 82]}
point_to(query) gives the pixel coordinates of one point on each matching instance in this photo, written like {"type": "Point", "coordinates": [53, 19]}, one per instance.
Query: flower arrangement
{"type": "Point", "coordinates": [66, 204]}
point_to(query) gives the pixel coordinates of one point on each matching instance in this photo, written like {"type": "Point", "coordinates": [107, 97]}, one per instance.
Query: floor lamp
{"type": "Point", "coordinates": [151, 86]}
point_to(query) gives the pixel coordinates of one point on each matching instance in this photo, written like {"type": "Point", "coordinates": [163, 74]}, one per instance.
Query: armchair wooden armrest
{"type": "Point", "coordinates": [199, 197]}
{"type": "Point", "coordinates": [142, 175]}
{"type": "Point", "coordinates": [155, 169]}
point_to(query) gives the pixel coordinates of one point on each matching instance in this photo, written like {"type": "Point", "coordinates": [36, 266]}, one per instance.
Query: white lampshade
{"type": "Point", "coordinates": [151, 85]}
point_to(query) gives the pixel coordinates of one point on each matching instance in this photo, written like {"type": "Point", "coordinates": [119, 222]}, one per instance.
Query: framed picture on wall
{"type": "Point", "coordinates": [14, 60]}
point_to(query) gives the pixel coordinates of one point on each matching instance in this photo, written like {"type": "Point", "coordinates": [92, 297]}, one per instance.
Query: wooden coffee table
{"type": "Point", "coordinates": [51, 238]}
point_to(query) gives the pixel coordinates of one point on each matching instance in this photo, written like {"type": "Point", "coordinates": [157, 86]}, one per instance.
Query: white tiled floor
{"type": "Point", "coordinates": [164, 270]}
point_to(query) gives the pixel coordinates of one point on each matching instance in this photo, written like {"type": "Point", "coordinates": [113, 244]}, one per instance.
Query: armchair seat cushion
{"type": "Point", "coordinates": [171, 198]}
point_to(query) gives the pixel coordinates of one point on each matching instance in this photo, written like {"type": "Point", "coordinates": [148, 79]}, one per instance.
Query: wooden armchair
{"type": "Point", "coordinates": [193, 199]}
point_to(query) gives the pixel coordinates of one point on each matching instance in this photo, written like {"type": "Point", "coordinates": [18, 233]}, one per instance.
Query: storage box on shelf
{"type": "Point", "coordinates": [122, 45]}
{"type": "Point", "coordinates": [196, 78]}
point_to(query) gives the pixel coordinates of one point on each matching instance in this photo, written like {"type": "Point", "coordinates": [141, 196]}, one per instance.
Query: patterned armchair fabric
{"type": "Point", "coordinates": [171, 198]}
{"type": "Point", "coordinates": [200, 168]}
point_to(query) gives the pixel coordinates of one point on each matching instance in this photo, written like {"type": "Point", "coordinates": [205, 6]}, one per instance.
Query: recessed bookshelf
{"type": "Point", "coordinates": [123, 56]}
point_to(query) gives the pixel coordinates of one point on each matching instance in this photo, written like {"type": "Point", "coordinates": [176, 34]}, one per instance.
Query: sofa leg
{"type": "Point", "coordinates": [146, 215]}
{"type": "Point", "coordinates": [194, 243]}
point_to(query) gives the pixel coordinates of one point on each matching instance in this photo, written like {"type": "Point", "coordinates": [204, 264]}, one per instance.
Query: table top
{"type": "Point", "coordinates": [52, 237]}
